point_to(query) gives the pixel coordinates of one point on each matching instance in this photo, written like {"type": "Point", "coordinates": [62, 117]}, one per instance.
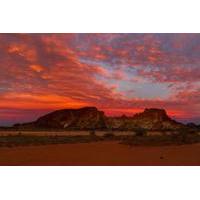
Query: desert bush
{"type": "Point", "coordinates": [108, 135]}
{"type": "Point", "coordinates": [92, 133]}
{"type": "Point", "coordinates": [184, 135]}
{"type": "Point", "coordinates": [19, 134]}
{"type": "Point", "coordinates": [140, 132]}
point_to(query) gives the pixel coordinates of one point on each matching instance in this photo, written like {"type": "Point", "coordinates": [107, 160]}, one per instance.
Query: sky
{"type": "Point", "coordinates": [117, 73]}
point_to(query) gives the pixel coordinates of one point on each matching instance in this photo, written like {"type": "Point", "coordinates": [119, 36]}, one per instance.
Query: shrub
{"type": "Point", "coordinates": [19, 134]}
{"type": "Point", "coordinates": [140, 132]}
{"type": "Point", "coordinates": [108, 135]}
{"type": "Point", "coordinates": [92, 133]}
{"type": "Point", "coordinates": [184, 135]}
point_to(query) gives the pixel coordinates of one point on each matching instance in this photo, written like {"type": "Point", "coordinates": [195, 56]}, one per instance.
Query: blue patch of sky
{"type": "Point", "coordinates": [145, 89]}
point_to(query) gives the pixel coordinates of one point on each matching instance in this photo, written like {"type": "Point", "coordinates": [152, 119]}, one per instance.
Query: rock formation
{"type": "Point", "coordinates": [150, 119]}
{"type": "Point", "coordinates": [90, 118]}
{"type": "Point", "coordinates": [76, 119]}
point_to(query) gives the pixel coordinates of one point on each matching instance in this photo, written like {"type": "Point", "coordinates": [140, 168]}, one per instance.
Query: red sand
{"type": "Point", "coordinates": [100, 153]}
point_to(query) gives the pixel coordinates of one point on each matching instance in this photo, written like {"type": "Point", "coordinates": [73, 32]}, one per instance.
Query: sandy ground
{"type": "Point", "coordinates": [100, 153]}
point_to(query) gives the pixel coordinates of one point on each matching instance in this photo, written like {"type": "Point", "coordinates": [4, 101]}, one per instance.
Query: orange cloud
{"type": "Point", "coordinates": [23, 50]}
{"type": "Point", "coordinates": [37, 68]}
{"type": "Point", "coordinates": [30, 101]}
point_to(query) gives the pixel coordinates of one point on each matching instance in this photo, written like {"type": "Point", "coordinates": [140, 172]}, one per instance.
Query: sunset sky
{"type": "Point", "coordinates": [117, 73]}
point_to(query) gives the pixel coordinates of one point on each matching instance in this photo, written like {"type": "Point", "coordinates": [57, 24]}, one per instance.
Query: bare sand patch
{"type": "Point", "coordinates": [101, 153]}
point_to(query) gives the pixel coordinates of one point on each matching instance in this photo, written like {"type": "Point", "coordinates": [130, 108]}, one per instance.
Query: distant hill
{"type": "Point", "coordinates": [193, 126]}
{"type": "Point", "coordinates": [88, 118]}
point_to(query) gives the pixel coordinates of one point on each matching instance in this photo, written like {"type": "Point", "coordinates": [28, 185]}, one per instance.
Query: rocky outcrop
{"type": "Point", "coordinates": [77, 119]}
{"type": "Point", "coordinates": [91, 118]}
{"type": "Point", "coordinates": [150, 119]}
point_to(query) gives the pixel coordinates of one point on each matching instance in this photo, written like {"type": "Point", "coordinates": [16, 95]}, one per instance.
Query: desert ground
{"type": "Point", "coordinates": [97, 153]}
{"type": "Point", "coordinates": [100, 153]}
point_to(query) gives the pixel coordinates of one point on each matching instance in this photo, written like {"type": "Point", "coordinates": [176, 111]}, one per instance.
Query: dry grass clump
{"type": "Point", "coordinates": [174, 139]}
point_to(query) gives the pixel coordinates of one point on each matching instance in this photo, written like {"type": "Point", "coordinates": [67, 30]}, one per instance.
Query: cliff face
{"type": "Point", "coordinates": [150, 119]}
{"type": "Point", "coordinates": [84, 118]}
{"type": "Point", "coordinates": [91, 118]}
